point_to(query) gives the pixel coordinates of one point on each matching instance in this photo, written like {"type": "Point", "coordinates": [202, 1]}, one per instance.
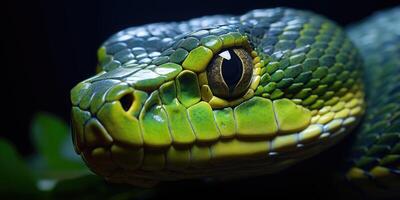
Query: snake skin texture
{"type": "Point", "coordinates": [151, 113]}
{"type": "Point", "coordinates": [375, 157]}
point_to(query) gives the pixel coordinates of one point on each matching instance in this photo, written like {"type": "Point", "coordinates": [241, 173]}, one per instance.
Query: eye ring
{"type": "Point", "coordinates": [230, 72]}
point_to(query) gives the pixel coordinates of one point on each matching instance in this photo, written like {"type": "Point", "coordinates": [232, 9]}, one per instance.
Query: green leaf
{"type": "Point", "coordinates": [16, 179]}
{"type": "Point", "coordinates": [56, 157]}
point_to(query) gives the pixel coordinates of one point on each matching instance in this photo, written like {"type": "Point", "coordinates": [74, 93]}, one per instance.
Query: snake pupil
{"type": "Point", "coordinates": [229, 73]}
{"type": "Point", "coordinates": [232, 69]}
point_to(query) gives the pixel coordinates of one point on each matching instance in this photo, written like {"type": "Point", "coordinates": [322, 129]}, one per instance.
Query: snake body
{"type": "Point", "coordinates": [170, 102]}
{"type": "Point", "coordinates": [375, 154]}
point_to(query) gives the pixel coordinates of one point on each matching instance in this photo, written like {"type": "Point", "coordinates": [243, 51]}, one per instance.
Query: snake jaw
{"type": "Point", "coordinates": [140, 132]}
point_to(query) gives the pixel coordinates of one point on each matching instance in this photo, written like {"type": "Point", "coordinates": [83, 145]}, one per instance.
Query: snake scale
{"type": "Point", "coordinates": [232, 96]}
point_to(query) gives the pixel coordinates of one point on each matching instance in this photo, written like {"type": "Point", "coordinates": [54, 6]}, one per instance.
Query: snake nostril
{"type": "Point", "coordinates": [126, 101]}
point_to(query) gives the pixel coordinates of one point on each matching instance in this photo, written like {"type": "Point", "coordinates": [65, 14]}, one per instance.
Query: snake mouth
{"type": "Point", "coordinates": [132, 132]}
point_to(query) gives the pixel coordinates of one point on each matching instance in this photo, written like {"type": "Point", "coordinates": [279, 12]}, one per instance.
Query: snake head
{"type": "Point", "coordinates": [203, 98]}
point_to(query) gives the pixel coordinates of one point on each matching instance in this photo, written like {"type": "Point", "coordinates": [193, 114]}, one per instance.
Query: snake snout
{"type": "Point", "coordinates": [104, 113]}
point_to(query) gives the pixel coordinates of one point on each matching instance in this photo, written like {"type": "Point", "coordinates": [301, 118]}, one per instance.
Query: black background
{"type": "Point", "coordinates": [49, 46]}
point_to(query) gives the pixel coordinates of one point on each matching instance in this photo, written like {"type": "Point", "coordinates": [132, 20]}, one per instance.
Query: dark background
{"type": "Point", "coordinates": [49, 46]}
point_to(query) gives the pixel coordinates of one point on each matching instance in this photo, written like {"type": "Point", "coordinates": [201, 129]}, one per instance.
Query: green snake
{"type": "Point", "coordinates": [236, 96]}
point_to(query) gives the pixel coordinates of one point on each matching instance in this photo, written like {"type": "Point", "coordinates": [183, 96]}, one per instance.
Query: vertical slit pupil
{"type": "Point", "coordinates": [232, 70]}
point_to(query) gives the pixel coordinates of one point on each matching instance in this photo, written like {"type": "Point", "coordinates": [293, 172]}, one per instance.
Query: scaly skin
{"type": "Point", "coordinates": [375, 154]}
{"type": "Point", "coordinates": [150, 113]}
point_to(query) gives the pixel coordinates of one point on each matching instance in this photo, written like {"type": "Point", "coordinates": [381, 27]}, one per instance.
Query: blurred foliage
{"type": "Point", "coordinates": [55, 171]}
{"type": "Point", "coordinates": [55, 157]}
{"type": "Point", "coordinates": [90, 187]}
{"type": "Point", "coordinates": [16, 177]}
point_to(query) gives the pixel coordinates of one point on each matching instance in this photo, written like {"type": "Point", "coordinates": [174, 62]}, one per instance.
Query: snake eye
{"type": "Point", "coordinates": [229, 73]}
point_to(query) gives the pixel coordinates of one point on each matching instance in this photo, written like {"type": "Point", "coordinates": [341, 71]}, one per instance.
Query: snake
{"type": "Point", "coordinates": [228, 96]}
